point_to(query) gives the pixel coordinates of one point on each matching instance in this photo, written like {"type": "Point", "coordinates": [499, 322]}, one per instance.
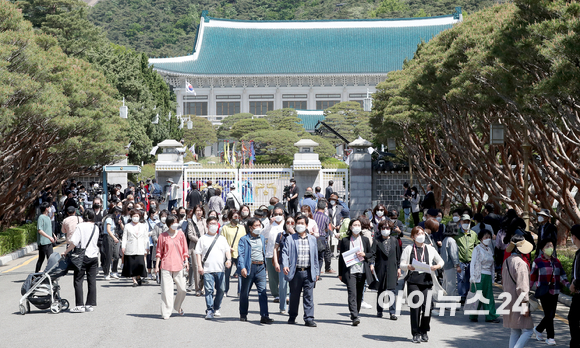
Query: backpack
{"type": "Point", "coordinates": [206, 194]}
{"type": "Point", "coordinates": [344, 206]}
{"type": "Point", "coordinates": [230, 203]}
{"type": "Point", "coordinates": [156, 189]}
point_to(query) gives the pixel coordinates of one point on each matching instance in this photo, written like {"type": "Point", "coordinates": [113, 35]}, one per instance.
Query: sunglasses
{"type": "Point", "coordinates": [289, 223]}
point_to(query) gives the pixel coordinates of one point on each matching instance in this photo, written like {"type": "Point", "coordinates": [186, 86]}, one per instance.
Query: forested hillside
{"type": "Point", "coordinates": [167, 27]}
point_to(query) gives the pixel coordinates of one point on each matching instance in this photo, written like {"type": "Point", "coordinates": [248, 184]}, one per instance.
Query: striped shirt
{"type": "Point", "coordinates": [322, 221]}
{"type": "Point", "coordinates": [303, 253]}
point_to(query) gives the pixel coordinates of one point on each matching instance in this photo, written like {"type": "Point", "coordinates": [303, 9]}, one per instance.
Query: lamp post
{"type": "Point", "coordinates": [123, 110]}
{"type": "Point", "coordinates": [527, 148]}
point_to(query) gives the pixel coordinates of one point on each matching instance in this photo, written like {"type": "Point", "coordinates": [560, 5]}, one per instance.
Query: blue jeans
{"type": "Point", "coordinates": [211, 281]}
{"type": "Point", "coordinates": [257, 275]}
{"type": "Point", "coordinates": [172, 203]}
{"type": "Point", "coordinates": [519, 337]}
{"type": "Point", "coordinates": [407, 212]}
{"type": "Point", "coordinates": [283, 290]}
{"type": "Point", "coordinates": [463, 280]}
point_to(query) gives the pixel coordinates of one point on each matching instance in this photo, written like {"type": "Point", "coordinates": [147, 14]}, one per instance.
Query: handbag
{"type": "Point", "coordinates": [77, 255]}
{"type": "Point", "coordinates": [533, 304]}
{"type": "Point", "coordinates": [321, 244]}
{"type": "Point", "coordinates": [469, 305]}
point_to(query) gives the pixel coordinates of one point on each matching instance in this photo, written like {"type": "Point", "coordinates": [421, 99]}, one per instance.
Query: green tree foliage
{"type": "Point", "coordinates": [247, 126]}
{"type": "Point", "coordinates": [163, 28]}
{"type": "Point", "coordinates": [201, 134]}
{"type": "Point", "coordinates": [58, 119]}
{"type": "Point", "coordinates": [275, 146]}
{"type": "Point", "coordinates": [325, 147]}
{"type": "Point", "coordinates": [349, 119]}
{"type": "Point", "coordinates": [228, 122]}
{"type": "Point", "coordinates": [514, 64]}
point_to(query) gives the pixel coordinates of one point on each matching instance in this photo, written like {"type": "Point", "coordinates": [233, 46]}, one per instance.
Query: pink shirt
{"type": "Point", "coordinates": [172, 251]}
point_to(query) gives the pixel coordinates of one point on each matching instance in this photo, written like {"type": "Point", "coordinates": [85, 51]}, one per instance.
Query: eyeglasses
{"type": "Point", "coordinates": [279, 214]}
{"type": "Point", "coordinates": [290, 223]}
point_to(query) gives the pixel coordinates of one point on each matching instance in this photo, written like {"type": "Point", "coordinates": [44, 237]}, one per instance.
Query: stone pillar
{"type": "Point", "coordinates": [360, 177]}
{"type": "Point", "coordinates": [306, 166]}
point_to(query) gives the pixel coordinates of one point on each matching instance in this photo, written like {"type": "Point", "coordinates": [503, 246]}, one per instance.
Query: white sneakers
{"type": "Point", "coordinates": [108, 277]}
{"type": "Point", "coordinates": [551, 342]}
{"type": "Point", "coordinates": [365, 305]}
{"type": "Point", "coordinates": [78, 309]}
{"type": "Point", "coordinates": [209, 315]}
{"type": "Point", "coordinates": [217, 314]}
{"type": "Point", "coordinates": [539, 335]}
{"type": "Point", "coordinates": [115, 275]}
{"type": "Point", "coordinates": [89, 308]}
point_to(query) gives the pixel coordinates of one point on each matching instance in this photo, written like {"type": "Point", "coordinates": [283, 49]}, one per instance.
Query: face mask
{"type": "Point", "coordinates": [420, 239]}
{"type": "Point", "coordinates": [154, 217]}
{"type": "Point", "coordinates": [175, 227]}
{"type": "Point", "coordinates": [135, 219]}
{"type": "Point", "coordinates": [235, 221]}
{"type": "Point", "coordinates": [153, 206]}
{"type": "Point", "coordinates": [213, 229]}
{"type": "Point", "coordinates": [548, 251]}
{"type": "Point", "coordinates": [244, 213]}
{"type": "Point", "coordinates": [456, 219]}
{"type": "Point", "coordinates": [300, 228]}
{"type": "Point", "coordinates": [257, 231]}
{"type": "Point", "coordinates": [181, 216]}
{"type": "Point", "coordinates": [486, 242]}
{"type": "Point", "coordinates": [424, 218]}
{"type": "Point", "coordinates": [130, 206]}
{"type": "Point", "coordinates": [278, 218]}
{"type": "Point", "coordinates": [288, 226]}
{"type": "Point", "coordinates": [540, 219]}
{"type": "Point", "coordinates": [465, 226]}
{"type": "Point", "coordinates": [356, 230]}
{"type": "Point", "coordinates": [97, 206]}
{"type": "Point", "coordinates": [385, 233]}
{"type": "Point", "coordinates": [438, 219]}
{"type": "Point", "coordinates": [163, 219]}
{"type": "Point", "coordinates": [380, 213]}
{"type": "Point", "coordinates": [333, 202]}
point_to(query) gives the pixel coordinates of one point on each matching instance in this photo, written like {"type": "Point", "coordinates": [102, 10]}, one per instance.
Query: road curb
{"type": "Point", "coordinates": [4, 260]}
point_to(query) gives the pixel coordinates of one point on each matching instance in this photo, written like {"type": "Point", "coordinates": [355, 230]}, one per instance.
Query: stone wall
{"type": "Point", "coordinates": [360, 183]}
{"type": "Point", "coordinates": [387, 188]}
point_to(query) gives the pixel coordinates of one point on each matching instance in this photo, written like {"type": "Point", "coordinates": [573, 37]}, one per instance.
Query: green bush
{"type": "Point", "coordinates": [15, 238]}
{"type": "Point", "coordinates": [567, 264]}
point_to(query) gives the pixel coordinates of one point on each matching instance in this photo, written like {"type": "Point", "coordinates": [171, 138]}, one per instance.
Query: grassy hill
{"type": "Point", "coordinates": [167, 27]}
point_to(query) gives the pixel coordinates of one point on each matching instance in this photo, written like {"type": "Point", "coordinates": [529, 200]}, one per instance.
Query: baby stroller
{"type": "Point", "coordinates": [42, 289]}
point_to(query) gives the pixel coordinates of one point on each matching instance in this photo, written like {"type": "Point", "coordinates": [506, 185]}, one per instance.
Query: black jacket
{"type": "Point", "coordinates": [343, 271]}
{"type": "Point", "coordinates": [429, 201]}
{"type": "Point", "coordinates": [193, 199]}
{"type": "Point", "coordinates": [386, 265]}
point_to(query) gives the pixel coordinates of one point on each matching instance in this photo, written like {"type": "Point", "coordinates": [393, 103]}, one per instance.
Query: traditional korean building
{"type": "Point", "coordinates": [257, 66]}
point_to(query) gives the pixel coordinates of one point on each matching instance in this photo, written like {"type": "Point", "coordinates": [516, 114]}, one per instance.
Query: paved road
{"type": "Point", "coordinates": [130, 317]}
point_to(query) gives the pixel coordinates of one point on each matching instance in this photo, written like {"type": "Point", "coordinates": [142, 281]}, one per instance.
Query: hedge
{"type": "Point", "coordinates": [15, 238]}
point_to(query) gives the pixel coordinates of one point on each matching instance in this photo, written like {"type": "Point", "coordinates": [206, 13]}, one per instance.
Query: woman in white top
{"type": "Point", "coordinates": [135, 245]}
{"type": "Point", "coordinates": [419, 281]}
{"type": "Point", "coordinates": [86, 235]}
{"type": "Point", "coordinates": [482, 268]}
{"type": "Point", "coordinates": [312, 225]}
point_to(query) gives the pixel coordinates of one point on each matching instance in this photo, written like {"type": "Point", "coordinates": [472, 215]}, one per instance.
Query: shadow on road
{"type": "Point", "coordinates": [386, 338]}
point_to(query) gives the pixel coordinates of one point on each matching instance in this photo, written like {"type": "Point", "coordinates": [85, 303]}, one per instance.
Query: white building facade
{"type": "Point", "coordinates": [258, 66]}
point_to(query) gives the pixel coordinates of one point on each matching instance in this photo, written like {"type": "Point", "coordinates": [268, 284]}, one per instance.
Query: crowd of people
{"type": "Point", "coordinates": [283, 254]}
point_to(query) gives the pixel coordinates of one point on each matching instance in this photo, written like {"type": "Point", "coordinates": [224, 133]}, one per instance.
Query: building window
{"type": "Point", "coordinates": [227, 97]}
{"type": "Point", "coordinates": [294, 96]}
{"type": "Point", "coordinates": [261, 107]}
{"type": "Point", "coordinates": [195, 108]}
{"type": "Point", "coordinates": [325, 104]}
{"type": "Point", "coordinates": [359, 101]}
{"type": "Point", "coordinates": [357, 95]}
{"type": "Point", "coordinates": [194, 97]}
{"type": "Point", "coordinates": [295, 104]}
{"type": "Point", "coordinates": [227, 108]}
{"type": "Point", "coordinates": [328, 96]}
{"type": "Point", "coordinates": [261, 96]}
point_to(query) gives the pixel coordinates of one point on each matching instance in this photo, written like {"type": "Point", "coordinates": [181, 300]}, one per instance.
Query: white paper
{"type": "Point", "coordinates": [421, 266]}
{"type": "Point", "coordinates": [350, 257]}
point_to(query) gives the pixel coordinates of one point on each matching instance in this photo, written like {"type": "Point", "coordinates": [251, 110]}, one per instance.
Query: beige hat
{"type": "Point", "coordinates": [523, 246]}
{"type": "Point", "coordinates": [465, 217]}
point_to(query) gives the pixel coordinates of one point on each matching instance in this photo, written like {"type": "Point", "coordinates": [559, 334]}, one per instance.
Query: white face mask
{"type": "Point", "coordinates": [288, 226]}
{"type": "Point", "coordinates": [456, 219]}
{"type": "Point", "coordinates": [466, 226]}
{"type": "Point", "coordinates": [175, 227]}
{"type": "Point", "coordinates": [424, 218]}
{"type": "Point", "coordinates": [154, 217]}
{"type": "Point", "coordinates": [135, 219]}
{"type": "Point", "coordinates": [278, 218]}
{"type": "Point", "coordinates": [257, 231]}
{"type": "Point", "coordinates": [333, 202]}
{"type": "Point", "coordinates": [300, 228]}
{"type": "Point", "coordinates": [540, 219]}
{"type": "Point", "coordinates": [213, 229]}
{"type": "Point", "coordinates": [420, 239]}
{"type": "Point", "coordinates": [486, 241]}
{"type": "Point", "coordinates": [380, 213]}
{"type": "Point", "coordinates": [356, 230]}
{"type": "Point", "coordinates": [245, 213]}
{"type": "Point", "coordinates": [163, 219]}
{"type": "Point", "coordinates": [438, 219]}
{"type": "Point", "coordinates": [385, 233]}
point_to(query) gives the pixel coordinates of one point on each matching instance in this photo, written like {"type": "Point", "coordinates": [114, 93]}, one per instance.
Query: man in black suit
{"type": "Point", "coordinates": [329, 190]}
{"type": "Point", "coordinates": [429, 200]}
{"type": "Point", "coordinates": [194, 197]}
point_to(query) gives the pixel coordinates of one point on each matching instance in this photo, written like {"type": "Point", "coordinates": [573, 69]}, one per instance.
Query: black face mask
{"type": "Point", "coordinates": [182, 215]}
{"type": "Point", "coordinates": [97, 206]}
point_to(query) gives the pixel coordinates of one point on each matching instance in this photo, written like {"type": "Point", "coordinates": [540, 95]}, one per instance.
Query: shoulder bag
{"type": "Point", "coordinates": [77, 255]}
{"type": "Point", "coordinates": [533, 304]}
{"type": "Point", "coordinates": [209, 250]}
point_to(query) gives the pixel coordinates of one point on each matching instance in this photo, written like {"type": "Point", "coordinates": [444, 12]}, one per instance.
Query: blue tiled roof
{"type": "Point", "coordinates": [262, 51]}
{"type": "Point", "coordinates": [309, 121]}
